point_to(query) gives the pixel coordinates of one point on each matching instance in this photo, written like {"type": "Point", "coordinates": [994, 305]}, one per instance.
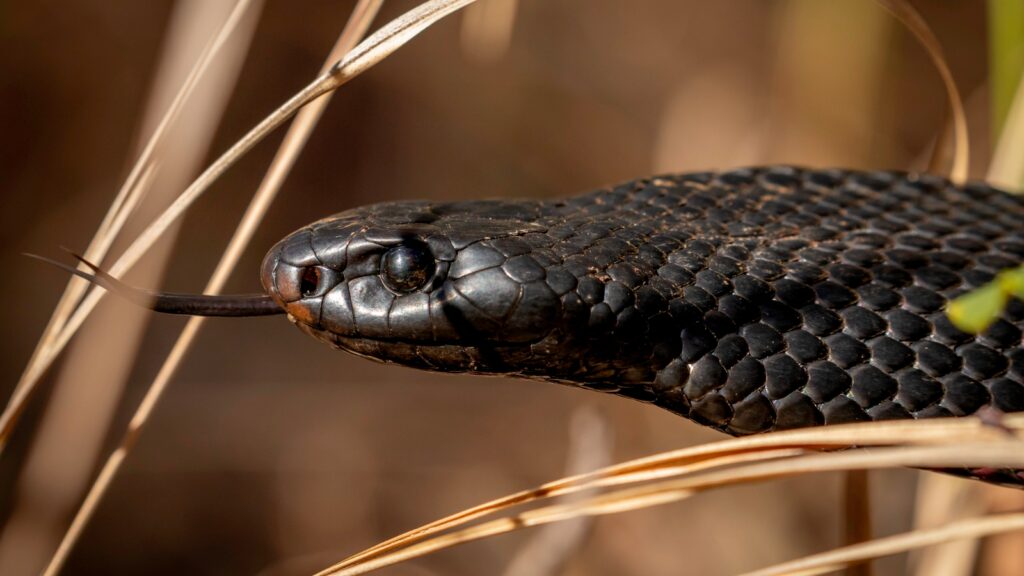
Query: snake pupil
{"type": "Point", "coordinates": [310, 281]}
{"type": "Point", "coordinates": [407, 267]}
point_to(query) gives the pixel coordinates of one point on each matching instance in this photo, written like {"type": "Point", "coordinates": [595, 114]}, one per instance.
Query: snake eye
{"type": "Point", "coordinates": [309, 283]}
{"type": "Point", "coordinates": [407, 267]}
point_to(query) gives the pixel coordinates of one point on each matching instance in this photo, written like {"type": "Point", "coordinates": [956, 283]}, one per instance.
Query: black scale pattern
{"type": "Point", "coordinates": [820, 294]}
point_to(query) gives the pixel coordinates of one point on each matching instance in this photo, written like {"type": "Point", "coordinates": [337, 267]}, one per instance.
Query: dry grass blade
{"type": "Point", "coordinates": [391, 37]}
{"type": "Point", "coordinates": [127, 198]}
{"type": "Point", "coordinates": [661, 466]}
{"type": "Point", "coordinates": [606, 477]}
{"type": "Point", "coordinates": [551, 548]}
{"type": "Point", "coordinates": [1001, 453]}
{"type": "Point", "coordinates": [925, 444]}
{"type": "Point", "coordinates": [292, 145]}
{"type": "Point", "coordinates": [839, 558]}
{"type": "Point", "coordinates": [727, 452]}
{"type": "Point", "coordinates": [288, 152]}
{"type": "Point", "coordinates": [368, 53]}
{"type": "Point", "coordinates": [69, 437]}
{"type": "Point", "coordinates": [905, 12]}
{"type": "Point", "coordinates": [857, 514]}
{"type": "Point", "coordinates": [941, 500]}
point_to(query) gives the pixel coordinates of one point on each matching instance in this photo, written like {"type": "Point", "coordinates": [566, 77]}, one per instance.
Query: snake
{"type": "Point", "coordinates": [748, 300]}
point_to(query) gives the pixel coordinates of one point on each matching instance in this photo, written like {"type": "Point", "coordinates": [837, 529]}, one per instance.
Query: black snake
{"type": "Point", "coordinates": [749, 301]}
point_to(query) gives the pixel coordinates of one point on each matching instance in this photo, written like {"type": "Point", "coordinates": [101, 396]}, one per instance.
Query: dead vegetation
{"type": "Point", "coordinates": [790, 123]}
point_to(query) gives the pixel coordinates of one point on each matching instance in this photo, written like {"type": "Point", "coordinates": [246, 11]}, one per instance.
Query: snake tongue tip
{"type": "Point", "coordinates": [41, 258]}
{"type": "Point", "coordinates": [53, 262]}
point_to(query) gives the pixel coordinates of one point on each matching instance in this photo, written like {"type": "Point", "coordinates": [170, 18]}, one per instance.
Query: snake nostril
{"type": "Point", "coordinates": [309, 283]}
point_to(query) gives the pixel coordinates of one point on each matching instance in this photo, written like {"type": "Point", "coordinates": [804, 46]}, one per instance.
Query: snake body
{"type": "Point", "coordinates": [748, 301]}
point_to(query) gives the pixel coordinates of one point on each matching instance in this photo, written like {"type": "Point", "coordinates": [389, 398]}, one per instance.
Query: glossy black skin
{"type": "Point", "coordinates": [748, 301]}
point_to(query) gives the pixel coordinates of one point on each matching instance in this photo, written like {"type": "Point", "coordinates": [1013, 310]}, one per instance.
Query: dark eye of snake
{"type": "Point", "coordinates": [407, 267]}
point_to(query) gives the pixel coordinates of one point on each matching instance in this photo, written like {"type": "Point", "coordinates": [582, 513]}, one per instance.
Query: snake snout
{"type": "Point", "coordinates": [296, 279]}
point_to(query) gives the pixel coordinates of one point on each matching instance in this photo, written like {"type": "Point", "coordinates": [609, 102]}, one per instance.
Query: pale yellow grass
{"type": "Point", "coordinates": [288, 152]}
{"type": "Point", "coordinates": [640, 483]}
{"type": "Point", "coordinates": [681, 474]}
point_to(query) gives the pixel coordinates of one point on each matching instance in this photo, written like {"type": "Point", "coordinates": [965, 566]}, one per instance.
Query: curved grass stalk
{"type": "Point", "coordinates": [364, 56]}
{"type": "Point", "coordinates": [911, 18]}
{"type": "Point", "coordinates": [288, 152]}
{"type": "Point", "coordinates": [782, 447]}
{"type": "Point", "coordinates": [1005, 451]}
{"type": "Point", "coordinates": [127, 198]}
{"type": "Point", "coordinates": [52, 479]}
{"type": "Point", "coordinates": [840, 558]}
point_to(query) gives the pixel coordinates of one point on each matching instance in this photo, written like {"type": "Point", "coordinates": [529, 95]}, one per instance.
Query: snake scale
{"type": "Point", "coordinates": [750, 300]}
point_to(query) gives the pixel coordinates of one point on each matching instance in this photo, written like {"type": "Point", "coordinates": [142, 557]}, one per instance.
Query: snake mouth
{"type": "Point", "coordinates": [447, 356]}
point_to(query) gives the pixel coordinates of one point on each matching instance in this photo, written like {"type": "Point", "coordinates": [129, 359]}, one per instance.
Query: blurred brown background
{"type": "Point", "coordinates": [273, 454]}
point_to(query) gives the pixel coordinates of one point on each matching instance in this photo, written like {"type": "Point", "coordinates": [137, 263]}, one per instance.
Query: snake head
{"type": "Point", "coordinates": [466, 287]}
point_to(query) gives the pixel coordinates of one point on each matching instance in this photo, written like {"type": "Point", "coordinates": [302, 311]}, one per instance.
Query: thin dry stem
{"type": "Point", "coordinates": [52, 480]}
{"type": "Point", "coordinates": [837, 559]}
{"type": "Point", "coordinates": [127, 198]}
{"type": "Point", "coordinates": [909, 16]}
{"type": "Point", "coordinates": [724, 453]}
{"type": "Point", "coordinates": [634, 471]}
{"type": "Point", "coordinates": [214, 95]}
{"type": "Point", "coordinates": [364, 56]}
{"type": "Point", "coordinates": [941, 500]}
{"type": "Point", "coordinates": [998, 452]}
{"type": "Point", "coordinates": [857, 513]}
{"type": "Point", "coordinates": [552, 547]}
{"type": "Point", "coordinates": [778, 454]}
{"type": "Point", "coordinates": [288, 152]}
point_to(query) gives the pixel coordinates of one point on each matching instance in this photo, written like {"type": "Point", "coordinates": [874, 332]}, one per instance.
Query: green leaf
{"type": "Point", "coordinates": [1012, 282]}
{"type": "Point", "coordinates": [974, 311]}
